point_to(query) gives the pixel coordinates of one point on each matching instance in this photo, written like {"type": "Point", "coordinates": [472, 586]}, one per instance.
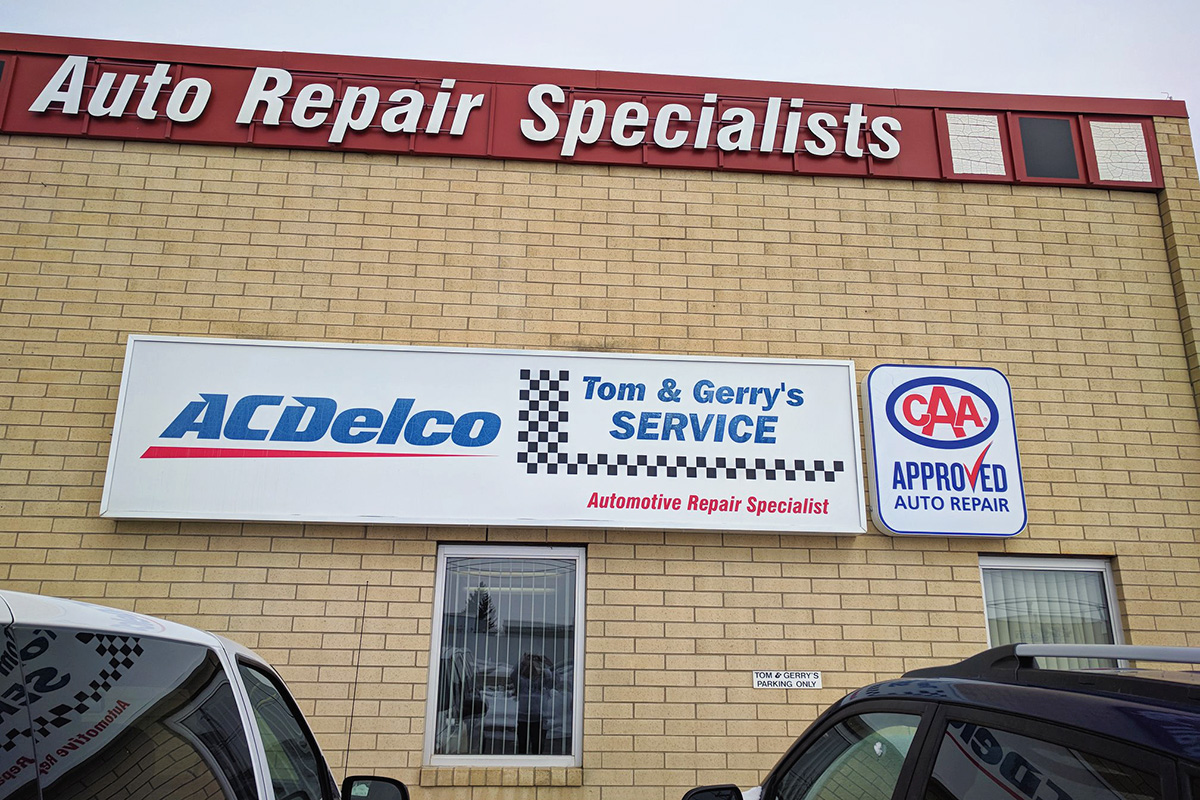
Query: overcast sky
{"type": "Point", "coordinates": [1102, 48]}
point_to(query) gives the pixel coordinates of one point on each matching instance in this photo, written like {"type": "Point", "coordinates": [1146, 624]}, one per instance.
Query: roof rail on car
{"type": "Point", "coordinates": [994, 664]}
{"type": "Point", "coordinates": [1017, 664]}
{"type": "Point", "coordinates": [1128, 652]}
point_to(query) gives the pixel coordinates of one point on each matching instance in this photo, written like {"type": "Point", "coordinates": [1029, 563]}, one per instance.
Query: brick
{"type": "Point", "coordinates": [1084, 297]}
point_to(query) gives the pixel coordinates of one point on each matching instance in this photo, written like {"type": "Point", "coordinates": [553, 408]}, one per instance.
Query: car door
{"type": "Point", "coordinates": [865, 751]}
{"type": "Point", "coordinates": [18, 759]}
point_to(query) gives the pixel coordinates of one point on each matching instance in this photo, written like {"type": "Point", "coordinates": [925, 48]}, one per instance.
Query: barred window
{"type": "Point", "coordinates": [506, 672]}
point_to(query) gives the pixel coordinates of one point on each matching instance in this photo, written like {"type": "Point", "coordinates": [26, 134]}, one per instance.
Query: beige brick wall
{"type": "Point", "coordinates": [1179, 205]}
{"type": "Point", "coordinates": [1074, 294]}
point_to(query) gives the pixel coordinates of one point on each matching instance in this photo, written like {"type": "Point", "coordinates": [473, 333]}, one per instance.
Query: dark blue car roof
{"type": "Point", "coordinates": [1170, 726]}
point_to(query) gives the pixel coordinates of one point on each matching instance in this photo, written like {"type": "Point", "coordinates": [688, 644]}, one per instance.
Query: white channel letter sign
{"type": "Point", "coordinates": [942, 452]}
{"type": "Point", "coordinates": [371, 434]}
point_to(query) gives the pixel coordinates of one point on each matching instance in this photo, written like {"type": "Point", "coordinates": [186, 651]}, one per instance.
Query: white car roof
{"type": "Point", "coordinates": [32, 609]}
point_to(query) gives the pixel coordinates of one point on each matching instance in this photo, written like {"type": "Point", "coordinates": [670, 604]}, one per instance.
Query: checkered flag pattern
{"type": "Point", "coordinates": [544, 397]}
{"type": "Point", "coordinates": [9, 740]}
{"type": "Point", "coordinates": [544, 413]}
{"type": "Point", "coordinates": [767, 469]}
{"type": "Point", "coordinates": [121, 653]}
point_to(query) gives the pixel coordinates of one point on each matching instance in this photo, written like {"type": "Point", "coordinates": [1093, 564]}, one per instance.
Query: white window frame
{"type": "Point", "coordinates": [445, 552]}
{"type": "Point", "coordinates": [1061, 564]}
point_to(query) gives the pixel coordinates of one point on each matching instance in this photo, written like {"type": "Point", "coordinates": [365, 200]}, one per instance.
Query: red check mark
{"type": "Point", "coordinates": [973, 472]}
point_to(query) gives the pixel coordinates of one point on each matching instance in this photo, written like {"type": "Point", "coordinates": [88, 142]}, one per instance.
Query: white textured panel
{"type": "Point", "coordinates": [975, 144]}
{"type": "Point", "coordinates": [1121, 151]}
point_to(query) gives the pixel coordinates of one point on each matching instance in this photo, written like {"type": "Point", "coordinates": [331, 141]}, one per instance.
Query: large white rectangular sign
{"type": "Point", "coordinates": [249, 430]}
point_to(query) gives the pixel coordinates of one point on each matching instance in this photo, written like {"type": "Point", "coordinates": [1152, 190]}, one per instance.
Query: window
{"type": "Point", "coordinates": [984, 762]}
{"type": "Point", "coordinates": [1050, 601]}
{"type": "Point", "coordinates": [860, 758]}
{"type": "Point", "coordinates": [1048, 145]}
{"type": "Point", "coordinates": [506, 672]}
{"type": "Point", "coordinates": [132, 716]}
{"type": "Point", "coordinates": [297, 770]}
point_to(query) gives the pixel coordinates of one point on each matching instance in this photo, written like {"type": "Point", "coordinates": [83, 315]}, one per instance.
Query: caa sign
{"type": "Point", "coordinates": [942, 452]}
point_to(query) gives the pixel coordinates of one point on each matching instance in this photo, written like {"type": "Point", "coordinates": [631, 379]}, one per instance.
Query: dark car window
{"type": "Point", "coordinates": [859, 758]}
{"type": "Point", "coordinates": [986, 762]}
{"type": "Point", "coordinates": [298, 771]}
{"type": "Point", "coordinates": [117, 716]}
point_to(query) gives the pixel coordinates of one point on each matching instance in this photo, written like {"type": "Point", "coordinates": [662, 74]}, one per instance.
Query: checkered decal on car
{"type": "Point", "coordinates": [121, 652]}
{"type": "Point", "coordinates": [545, 415]}
{"type": "Point", "coordinates": [9, 740]}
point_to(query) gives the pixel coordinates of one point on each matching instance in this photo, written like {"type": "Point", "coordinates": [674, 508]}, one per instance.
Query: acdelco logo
{"type": "Point", "coordinates": [945, 413]}
{"type": "Point", "coordinates": [261, 417]}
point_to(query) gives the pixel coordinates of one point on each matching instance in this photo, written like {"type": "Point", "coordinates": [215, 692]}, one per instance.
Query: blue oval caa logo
{"type": "Point", "coordinates": [942, 412]}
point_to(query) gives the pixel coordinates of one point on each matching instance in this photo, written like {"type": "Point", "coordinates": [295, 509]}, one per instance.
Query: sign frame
{"type": "Point", "coordinates": [1003, 424]}
{"type": "Point", "coordinates": [849, 519]}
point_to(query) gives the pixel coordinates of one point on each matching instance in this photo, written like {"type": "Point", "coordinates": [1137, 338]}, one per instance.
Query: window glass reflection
{"type": "Point", "coordinates": [986, 763]}
{"type": "Point", "coordinates": [117, 716]}
{"type": "Point", "coordinates": [506, 673]}
{"type": "Point", "coordinates": [297, 770]}
{"type": "Point", "coordinates": [860, 758]}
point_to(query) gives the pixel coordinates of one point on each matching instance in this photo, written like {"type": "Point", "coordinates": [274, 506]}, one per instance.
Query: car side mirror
{"type": "Point", "coordinates": [725, 792]}
{"type": "Point", "coordinates": [370, 787]}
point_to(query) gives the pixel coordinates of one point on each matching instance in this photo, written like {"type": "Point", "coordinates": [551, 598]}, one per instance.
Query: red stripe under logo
{"type": "Point", "coordinates": [248, 452]}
